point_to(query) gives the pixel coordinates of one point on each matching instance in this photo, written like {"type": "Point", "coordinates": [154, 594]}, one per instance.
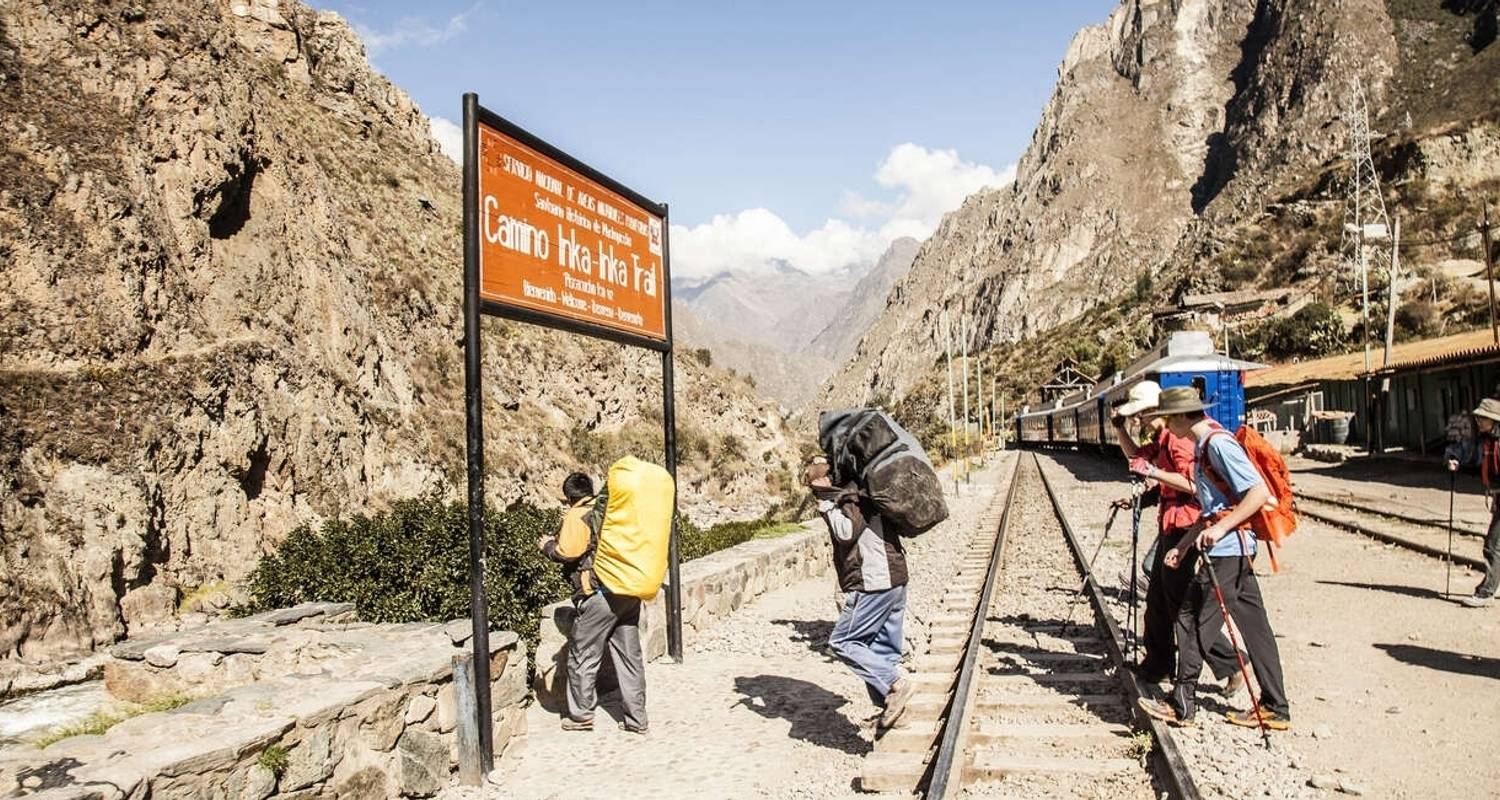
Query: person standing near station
{"type": "Point", "coordinates": [1486, 417]}
{"type": "Point", "coordinates": [1230, 491]}
{"type": "Point", "coordinates": [871, 568]}
{"type": "Point", "coordinates": [601, 618]}
{"type": "Point", "coordinates": [1166, 459]}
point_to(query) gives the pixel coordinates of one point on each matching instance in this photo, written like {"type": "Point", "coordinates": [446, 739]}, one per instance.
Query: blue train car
{"type": "Point", "coordinates": [1186, 358]}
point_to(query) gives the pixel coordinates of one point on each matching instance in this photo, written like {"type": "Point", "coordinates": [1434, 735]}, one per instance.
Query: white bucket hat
{"type": "Point", "coordinates": [1141, 397]}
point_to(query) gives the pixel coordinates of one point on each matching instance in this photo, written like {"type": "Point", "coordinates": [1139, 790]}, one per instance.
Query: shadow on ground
{"type": "Point", "coordinates": [1391, 588]}
{"type": "Point", "coordinates": [812, 710]}
{"type": "Point", "coordinates": [1443, 660]}
{"type": "Point", "coordinates": [811, 632]}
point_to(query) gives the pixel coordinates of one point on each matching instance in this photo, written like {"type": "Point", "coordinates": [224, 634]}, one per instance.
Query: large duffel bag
{"type": "Point", "coordinates": [630, 557]}
{"type": "Point", "coordinates": [867, 448]}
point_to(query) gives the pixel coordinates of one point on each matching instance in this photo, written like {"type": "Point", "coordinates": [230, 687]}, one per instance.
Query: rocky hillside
{"type": "Point", "coordinates": [840, 337]}
{"type": "Point", "coordinates": [1198, 144]}
{"type": "Point", "coordinates": [231, 304]}
{"type": "Point", "coordinates": [790, 378]}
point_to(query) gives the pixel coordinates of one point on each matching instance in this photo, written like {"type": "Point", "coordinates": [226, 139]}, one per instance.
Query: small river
{"type": "Point", "coordinates": [25, 719]}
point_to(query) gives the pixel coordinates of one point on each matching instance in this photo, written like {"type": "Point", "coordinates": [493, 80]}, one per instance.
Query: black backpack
{"type": "Point", "coordinates": [867, 448]}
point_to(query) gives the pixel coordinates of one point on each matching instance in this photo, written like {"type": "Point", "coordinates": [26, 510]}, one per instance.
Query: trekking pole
{"type": "Point", "coordinates": [1452, 487]}
{"type": "Point", "coordinates": [1234, 642]}
{"type": "Point", "coordinates": [1088, 570]}
{"type": "Point", "coordinates": [1137, 489]}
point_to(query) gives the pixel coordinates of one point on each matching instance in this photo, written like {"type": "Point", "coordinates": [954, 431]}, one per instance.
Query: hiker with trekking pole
{"type": "Point", "coordinates": [1486, 417]}
{"type": "Point", "coordinates": [1158, 456]}
{"type": "Point", "coordinates": [1231, 490]}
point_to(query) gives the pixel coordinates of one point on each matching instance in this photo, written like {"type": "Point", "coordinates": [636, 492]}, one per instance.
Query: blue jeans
{"type": "Point", "coordinates": [867, 636]}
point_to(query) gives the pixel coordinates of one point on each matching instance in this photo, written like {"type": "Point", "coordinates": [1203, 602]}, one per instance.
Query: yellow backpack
{"type": "Point", "coordinates": [631, 555]}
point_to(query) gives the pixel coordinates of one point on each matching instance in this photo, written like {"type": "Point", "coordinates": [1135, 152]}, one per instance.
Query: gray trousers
{"type": "Point", "coordinates": [615, 620]}
{"type": "Point", "coordinates": [1491, 582]}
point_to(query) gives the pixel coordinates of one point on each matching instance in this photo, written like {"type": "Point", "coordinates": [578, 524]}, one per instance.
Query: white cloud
{"type": "Point", "coordinates": [411, 31]}
{"type": "Point", "coordinates": [755, 239]}
{"type": "Point", "coordinates": [449, 136]}
{"type": "Point", "coordinates": [926, 184]}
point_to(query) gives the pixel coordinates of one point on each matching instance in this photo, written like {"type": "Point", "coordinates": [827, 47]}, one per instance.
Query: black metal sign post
{"type": "Point", "coordinates": [669, 441]}
{"type": "Point", "coordinates": [475, 305]}
{"type": "Point", "coordinates": [474, 416]}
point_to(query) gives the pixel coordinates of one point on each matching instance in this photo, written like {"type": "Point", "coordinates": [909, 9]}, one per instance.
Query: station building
{"type": "Point", "coordinates": [1403, 406]}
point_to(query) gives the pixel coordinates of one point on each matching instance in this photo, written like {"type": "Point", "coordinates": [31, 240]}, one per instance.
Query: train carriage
{"type": "Point", "coordinates": [1186, 358]}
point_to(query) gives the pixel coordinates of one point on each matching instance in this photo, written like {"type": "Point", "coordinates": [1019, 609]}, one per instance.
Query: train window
{"type": "Point", "coordinates": [1200, 385]}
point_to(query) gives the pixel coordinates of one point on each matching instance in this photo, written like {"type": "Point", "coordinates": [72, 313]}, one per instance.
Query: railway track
{"type": "Point", "coordinates": [1017, 701]}
{"type": "Point", "coordinates": [1409, 532]}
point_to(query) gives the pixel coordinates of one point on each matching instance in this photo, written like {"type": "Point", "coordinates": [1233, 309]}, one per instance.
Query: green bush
{"type": "Point", "coordinates": [1315, 330]}
{"type": "Point", "coordinates": [411, 563]}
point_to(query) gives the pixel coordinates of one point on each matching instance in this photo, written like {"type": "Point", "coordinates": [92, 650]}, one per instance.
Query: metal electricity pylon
{"type": "Point", "coordinates": [1365, 220]}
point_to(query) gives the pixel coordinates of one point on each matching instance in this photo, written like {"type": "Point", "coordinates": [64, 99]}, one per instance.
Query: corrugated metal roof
{"type": "Point", "coordinates": [1351, 365]}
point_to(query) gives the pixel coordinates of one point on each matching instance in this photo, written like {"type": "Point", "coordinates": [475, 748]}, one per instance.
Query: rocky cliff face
{"type": "Point", "coordinates": [231, 304]}
{"type": "Point", "coordinates": [840, 337]}
{"type": "Point", "coordinates": [1169, 121]}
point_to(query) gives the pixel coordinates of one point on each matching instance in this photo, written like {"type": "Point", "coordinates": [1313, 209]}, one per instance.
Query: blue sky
{"type": "Point", "coordinates": [811, 132]}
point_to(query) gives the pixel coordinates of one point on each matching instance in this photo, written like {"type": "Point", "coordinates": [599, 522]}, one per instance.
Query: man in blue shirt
{"type": "Point", "coordinates": [1230, 490]}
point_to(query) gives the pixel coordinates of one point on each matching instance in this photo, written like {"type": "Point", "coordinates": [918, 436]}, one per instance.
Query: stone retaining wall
{"type": "Point", "coordinates": [358, 711]}
{"type": "Point", "coordinates": [712, 587]}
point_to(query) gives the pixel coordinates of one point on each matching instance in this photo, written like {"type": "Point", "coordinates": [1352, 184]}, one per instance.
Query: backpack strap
{"type": "Point", "coordinates": [1206, 463]}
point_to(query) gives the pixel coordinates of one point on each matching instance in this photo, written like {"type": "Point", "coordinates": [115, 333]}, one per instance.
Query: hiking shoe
{"type": "Point", "coordinates": [639, 731]}
{"type": "Point", "coordinates": [1246, 719]}
{"type": "Point", "coordinates": [895, 702]}
{"type": "Point", "coordinates": [1164, 711]}
{"type": "Point", "coordinates": [1475, 601]}
{"type": "Point", "coordinates": [1233, 684]}
{"type": "Point", "coordinates": [570, 724]}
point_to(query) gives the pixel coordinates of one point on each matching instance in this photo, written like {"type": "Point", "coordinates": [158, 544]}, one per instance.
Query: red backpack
{"type": "Point", "coordinates": [1277, 519]}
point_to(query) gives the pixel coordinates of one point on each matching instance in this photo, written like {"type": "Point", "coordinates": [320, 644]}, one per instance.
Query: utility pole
{"type": "Point", "coordinates": [964, 343]}
{"type": "Point", "coordinates": [1392, 296]}
{"type": "Point", "coordinates": [953, 431]}
{"type": "Point", "coordinates": [1003, 421]}
{"type": "Point", "coordinates": [1489, 269]}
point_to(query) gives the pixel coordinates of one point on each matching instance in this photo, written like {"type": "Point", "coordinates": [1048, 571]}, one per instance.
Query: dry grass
{"type": "Point", "coordinates": [101, 721]}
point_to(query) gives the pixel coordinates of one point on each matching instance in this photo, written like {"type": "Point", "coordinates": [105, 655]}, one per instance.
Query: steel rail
{"type": "Point", "coordinates": [943, 764]}
{"type": "Point", "coordinates": [1170, 765]}
{"type": "Point", "coordinates": [1440, 525]}
{"type": "Point", "coordinates": [1390, 538]}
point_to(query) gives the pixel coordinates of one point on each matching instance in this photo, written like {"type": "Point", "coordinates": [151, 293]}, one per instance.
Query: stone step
{"type": "Point", "coordinates": [909, 736]}
{"type": "Point", "coordinates": [999, 732]}
{"type": "Point", "coordinates": [1048, 678]}
{"type": "Point", "coordinates": [892, 771]}
{"type": "Point", "coordinates": [936, 663]}
{"type": "Point", "coordinates": [1000, 700]}
{"type": "Point", "coordinates": [1047, 657]}
{"type": "Point", "coordinates": [991, 765]}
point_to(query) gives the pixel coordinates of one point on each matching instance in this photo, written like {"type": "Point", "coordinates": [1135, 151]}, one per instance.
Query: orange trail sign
{"type": "Point", "coordinates": [564, 245]}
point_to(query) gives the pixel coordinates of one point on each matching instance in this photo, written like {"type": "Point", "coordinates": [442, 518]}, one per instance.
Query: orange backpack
{"type": "Point", "coordinates": [1277, 519]}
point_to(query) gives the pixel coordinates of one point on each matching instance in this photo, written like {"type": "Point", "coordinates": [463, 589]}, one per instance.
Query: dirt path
{"type": "Point", "coordinates": [1394, 690]}
{"type": "Point", "coordinates": [757, 709]}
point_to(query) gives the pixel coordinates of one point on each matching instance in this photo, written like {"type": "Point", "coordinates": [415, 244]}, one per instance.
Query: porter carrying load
{"type": "Point", "coordinates": [635, 528]}
{"type": "Point", "coordinates": [867, 448]}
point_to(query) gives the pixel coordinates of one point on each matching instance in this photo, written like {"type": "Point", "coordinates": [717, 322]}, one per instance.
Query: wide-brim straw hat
{"type": "Point", "coordinates": [1142, 396]}
{"type": "Point", "coordinates": [1489, 408]}
{"type": "Point", "coordinates": [1179, 400]}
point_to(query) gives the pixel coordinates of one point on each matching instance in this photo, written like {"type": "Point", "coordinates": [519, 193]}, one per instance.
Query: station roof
{"type": "Point", "coordinates": [1348, 366]}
